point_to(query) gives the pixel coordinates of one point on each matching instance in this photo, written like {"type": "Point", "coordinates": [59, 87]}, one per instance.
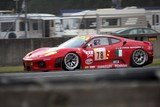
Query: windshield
{"type": "Point", "coordinates": [74, 42]}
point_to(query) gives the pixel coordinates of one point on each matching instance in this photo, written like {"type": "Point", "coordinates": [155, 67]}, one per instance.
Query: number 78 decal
{"type": "Point", "coordinates": [99, 53]}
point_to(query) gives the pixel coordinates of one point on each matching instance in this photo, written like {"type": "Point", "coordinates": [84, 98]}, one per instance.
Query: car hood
{"type": "Point", "coordinates": [41, 52]}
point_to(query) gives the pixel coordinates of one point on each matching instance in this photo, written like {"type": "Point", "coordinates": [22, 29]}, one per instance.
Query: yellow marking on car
{"type": "Point", "coordinates": [50, 53]}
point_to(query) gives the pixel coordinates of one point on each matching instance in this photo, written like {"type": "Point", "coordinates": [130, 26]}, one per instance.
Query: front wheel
{"type": "Point", "coordinates": [71, 61]}
{"type": "Point", "coordinates": [139, 58]}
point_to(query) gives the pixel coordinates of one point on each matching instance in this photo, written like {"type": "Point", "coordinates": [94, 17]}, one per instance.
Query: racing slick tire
{"type": "Point", "coordinates": [71, 61]}
{"type": "Point", "coordinates": [139, 58]}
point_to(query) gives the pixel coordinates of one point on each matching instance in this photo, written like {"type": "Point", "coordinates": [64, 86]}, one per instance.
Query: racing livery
{"type": "Point", "coordinates": [90, 52]}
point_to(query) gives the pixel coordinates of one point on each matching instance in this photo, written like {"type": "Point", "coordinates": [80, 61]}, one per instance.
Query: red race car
{"type": "Point", "coordinates": [90, 52]}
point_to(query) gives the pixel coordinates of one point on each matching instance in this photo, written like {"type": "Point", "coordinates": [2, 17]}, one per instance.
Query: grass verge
{"type": "Point", "coordinates": [11, 69]}
{"type": "Point", "coordinates": [156, 62]}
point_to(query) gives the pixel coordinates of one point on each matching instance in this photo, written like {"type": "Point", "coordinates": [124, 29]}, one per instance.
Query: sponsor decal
{"type": "Point", "coordinates": [116, 62]}
{"type": "Point", "coordinates": [120, 65]}
{"type": "Point", "coordinates": [89, 61]}
{"type": "Point", "coordinates": [131, 47]}
{"type": "Point", "coordinates": [86, 67]}
{"type": "Point", "coordinates": [104, 66]}
{"type": "Point", "coordinates": [92, 67]}
{"type": "Point", "coordinates": [88, 53]}
{"type": "Point", "coordinates": [99, 49]}
{"type": "Point", "coordinates": [119, 52]}
{"type": "Point", "coordinates": [135, 47]}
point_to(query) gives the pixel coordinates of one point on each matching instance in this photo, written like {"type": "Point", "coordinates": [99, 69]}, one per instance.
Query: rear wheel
{"type": "Point", "coordinates": [71, 61]}
{"type": "Point", "coordinates": [139, 58]}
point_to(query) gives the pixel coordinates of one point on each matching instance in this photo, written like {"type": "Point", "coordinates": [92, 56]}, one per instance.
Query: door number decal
{"type": "Point", "coordinates": [99, 53]}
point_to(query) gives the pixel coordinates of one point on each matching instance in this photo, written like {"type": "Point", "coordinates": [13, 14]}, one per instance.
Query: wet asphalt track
{"type": "Point", "coordinates": [81, 76]}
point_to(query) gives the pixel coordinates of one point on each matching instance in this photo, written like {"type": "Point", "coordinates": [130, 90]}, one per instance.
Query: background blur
{"type": "Point", "coordinates": [55, 6]}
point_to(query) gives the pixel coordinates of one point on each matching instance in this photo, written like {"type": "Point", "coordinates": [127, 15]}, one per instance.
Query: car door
{"type": "Point", "coordinates": [98, 53]}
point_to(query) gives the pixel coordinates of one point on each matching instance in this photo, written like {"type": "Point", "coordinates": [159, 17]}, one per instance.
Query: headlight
{"type": "Point", "coordinates": [50, 53]}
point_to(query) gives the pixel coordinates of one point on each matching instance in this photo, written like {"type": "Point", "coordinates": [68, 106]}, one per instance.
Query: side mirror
{"type": "Point", "coordinates": [89, 45]}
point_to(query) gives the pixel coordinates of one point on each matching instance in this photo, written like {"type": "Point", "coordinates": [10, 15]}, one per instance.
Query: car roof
{"type": "Point", "coordinates": [90, 36]}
